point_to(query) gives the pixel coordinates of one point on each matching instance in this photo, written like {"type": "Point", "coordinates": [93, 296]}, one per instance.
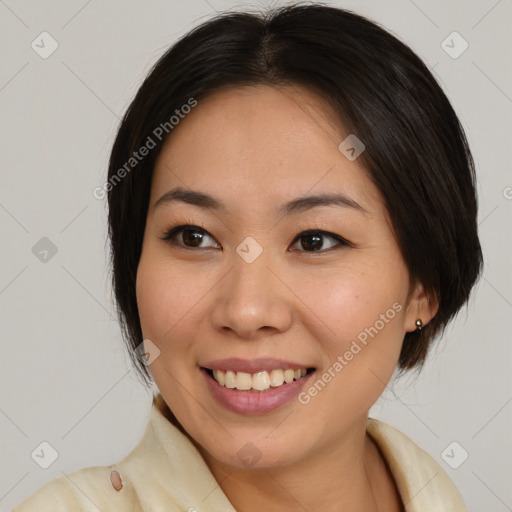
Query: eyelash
{"type": "Point", "coordinates": [180, 228]}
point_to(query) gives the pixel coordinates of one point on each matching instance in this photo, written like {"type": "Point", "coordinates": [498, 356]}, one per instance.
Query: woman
{"type": "Point", "coordinates": [292, 214]}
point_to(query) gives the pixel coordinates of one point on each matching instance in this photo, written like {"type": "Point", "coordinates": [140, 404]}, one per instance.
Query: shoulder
{"type": "Point", "coordinates": [422, 483]}
{"type": "Point", "coordinates": [164, 471]}
{"type": "Point", "coordinates": [96, 488]}
{"type": "Point", "coordinates": [84, 490]}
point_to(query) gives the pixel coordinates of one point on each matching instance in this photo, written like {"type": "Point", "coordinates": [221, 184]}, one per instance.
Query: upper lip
{"type": "Point", "coordinates": [253, 365]}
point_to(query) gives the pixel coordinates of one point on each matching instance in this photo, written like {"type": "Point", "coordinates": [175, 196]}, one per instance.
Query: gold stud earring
{"type": "Point", "coordinates": [419, 324]}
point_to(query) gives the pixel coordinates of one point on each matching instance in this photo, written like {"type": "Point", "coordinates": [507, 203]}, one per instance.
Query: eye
{"type": "Point", "coordinates": [189, 236]}
{"type": "Point", "coordinates": [313, 240]}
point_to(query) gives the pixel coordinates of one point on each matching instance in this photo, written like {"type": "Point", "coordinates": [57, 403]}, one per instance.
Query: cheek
{"type": "Point", "coordinates": [353, 301]}
{"type": "Point", "coordinates": [361, 356]}
{"type": "Point", "coordinates": [154, 300]}
{"type": "Point", "coordinates": [165, 296]}
{"type": "Point", "coordinates": [363, 307]}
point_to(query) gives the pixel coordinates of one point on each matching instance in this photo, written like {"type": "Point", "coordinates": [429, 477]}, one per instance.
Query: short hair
{"type": "Point", "coordinates": [416, 150]}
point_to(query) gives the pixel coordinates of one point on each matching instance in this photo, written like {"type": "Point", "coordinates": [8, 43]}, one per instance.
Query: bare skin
{"type": "Point", "coordinates": [254, 148]}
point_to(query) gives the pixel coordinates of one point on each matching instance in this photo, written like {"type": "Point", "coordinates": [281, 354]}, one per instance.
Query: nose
{"type": "Point", "coordinates": [252, 301]}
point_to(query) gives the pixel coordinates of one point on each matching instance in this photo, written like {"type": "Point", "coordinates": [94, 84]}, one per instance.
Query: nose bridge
{"type": "Point", "coordinates": [251, 297]}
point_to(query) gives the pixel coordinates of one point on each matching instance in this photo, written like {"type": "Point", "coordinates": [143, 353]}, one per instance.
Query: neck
{"type": "Point", "coordinates": [348, 475]}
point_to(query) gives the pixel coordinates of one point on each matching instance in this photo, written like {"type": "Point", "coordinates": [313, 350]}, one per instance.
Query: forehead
{"type": "Point", "coordinates": [260, 144]}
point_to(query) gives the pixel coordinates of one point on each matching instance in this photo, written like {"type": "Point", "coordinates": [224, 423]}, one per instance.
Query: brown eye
{"type": "Point", "coordinates": [189, 237]}
{"type": "Point", "coordinates": [192, 238]}
{"type": "Point", "coordinates": [311, 241]}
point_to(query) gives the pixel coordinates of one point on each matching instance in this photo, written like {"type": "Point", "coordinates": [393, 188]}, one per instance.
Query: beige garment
{"type": "Point", "coordinates": [166, 473]}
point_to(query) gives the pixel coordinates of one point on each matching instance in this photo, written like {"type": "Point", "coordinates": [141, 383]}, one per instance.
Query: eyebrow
{"type": "Point", "coordinates": [203, 200]}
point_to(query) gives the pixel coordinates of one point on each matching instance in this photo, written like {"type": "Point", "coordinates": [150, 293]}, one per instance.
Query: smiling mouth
{"type": "Point", "coordinates": [259, 381]}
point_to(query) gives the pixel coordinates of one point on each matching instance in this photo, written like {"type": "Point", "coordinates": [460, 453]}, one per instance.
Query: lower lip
{"type": "Point", "coordinates": [255, 402]}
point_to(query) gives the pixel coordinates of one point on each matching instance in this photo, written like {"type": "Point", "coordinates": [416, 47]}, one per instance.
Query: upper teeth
{"type": "Point", "coordinates": [259, 381]}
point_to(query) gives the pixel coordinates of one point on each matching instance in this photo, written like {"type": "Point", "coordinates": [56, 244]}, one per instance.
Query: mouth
{"type": "Point", "coordinates": [255, 387]}
{"type": "Point", "coordinates": [258, 381]}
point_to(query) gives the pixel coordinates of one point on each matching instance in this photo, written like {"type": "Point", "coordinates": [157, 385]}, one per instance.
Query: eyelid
{"type": "Point", "coordinates": [182, 226]}
{"type": "Point", "coordinates": [326, 234]}
{"type": "Point", "coordinates": [170, 232]}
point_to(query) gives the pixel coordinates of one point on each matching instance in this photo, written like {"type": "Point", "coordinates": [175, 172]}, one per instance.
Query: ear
{"type": "Point", "coordinates": [422, 306]}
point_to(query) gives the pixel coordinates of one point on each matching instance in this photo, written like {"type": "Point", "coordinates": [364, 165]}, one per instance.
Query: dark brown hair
{"type": "Point", "coordinates": [416, 150]}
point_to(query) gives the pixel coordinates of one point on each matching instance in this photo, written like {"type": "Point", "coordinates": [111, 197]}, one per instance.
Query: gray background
{"type": "Point", "coordinates": [65, 377]}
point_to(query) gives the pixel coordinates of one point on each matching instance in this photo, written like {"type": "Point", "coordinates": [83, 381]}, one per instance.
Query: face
{"type": "Point", "coordinates": [262, 279]}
